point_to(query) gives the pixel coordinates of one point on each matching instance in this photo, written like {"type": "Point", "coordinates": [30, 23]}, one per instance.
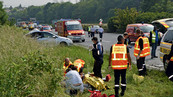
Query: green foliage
{"type": "Point", "coordinates": [3, 15]}
{"type": "Point", "coordinates": [122, 18]}
{"type": "Point", "coordinates": [31, 69]}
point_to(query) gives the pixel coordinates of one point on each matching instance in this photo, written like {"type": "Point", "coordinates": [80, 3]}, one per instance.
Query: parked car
{"type": "Point", "coordinates": [46, 28]}
{"type": "Point", "coordinates": [131, 30]}
{"type": "Point", "coordinates": [31, 26]}
{"type": "Point", "coordinates": [49, 38]}
{"type": "Point", "coordinates": [165, 45]}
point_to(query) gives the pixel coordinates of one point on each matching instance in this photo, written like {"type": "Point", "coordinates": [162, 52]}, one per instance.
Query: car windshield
{"type": "Point", "coordinates": [147, 29]}
{"type": "Point", "coordinates": [74, 27]}
{"type": "Point", "coordinates": [168, 37]}
{"type": "Point", "coordinates": [170, 23]}
{"type": "Point", "coordinates": [46, 28]}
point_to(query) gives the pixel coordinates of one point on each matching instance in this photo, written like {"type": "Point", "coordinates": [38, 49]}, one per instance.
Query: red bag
{"type": "Point", "coordinates": [96, 93]}
{"type": "Point", "coordinates": [108, 77]}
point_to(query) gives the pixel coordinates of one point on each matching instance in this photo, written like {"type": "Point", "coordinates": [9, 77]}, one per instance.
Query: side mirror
{"type": "Point", "coordinates": [55, 37]}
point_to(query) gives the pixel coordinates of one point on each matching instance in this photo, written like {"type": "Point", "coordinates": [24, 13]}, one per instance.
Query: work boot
{"type": "Point", "coordinates": [122, 93]}
{"type": "Point", "coordinates": [155, 56]}
{"type": "Point", "coordinates": [152, 57]}
{"type": "Point", "coordinates": [116, 95]}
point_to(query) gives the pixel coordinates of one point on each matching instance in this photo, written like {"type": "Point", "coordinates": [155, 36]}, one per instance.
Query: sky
{"type": "Point", "coordinates": [26, 3]}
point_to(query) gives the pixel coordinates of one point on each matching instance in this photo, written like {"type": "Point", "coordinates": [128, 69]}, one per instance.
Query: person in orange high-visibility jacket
{"type": "Point", "coordinates": [141, 50]}
{"type": "Point", "coordinates": [79, 64]}
{"type": "Point", "coordinates": [67, 64]}
{"type": "Point", "coordinates": [119, 57]}
{"type": "Point", "coordinates": [169, 69]}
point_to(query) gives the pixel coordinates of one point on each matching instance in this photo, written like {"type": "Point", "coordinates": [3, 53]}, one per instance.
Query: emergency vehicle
{"type": "Point", "coordinates": [71, 29]}
{"type": "Point", "coordinates": [131, 30]}
{"type": "Point", "coordinates": [163, 24]}
{"type": "Point", "coordinates": [165, 45]}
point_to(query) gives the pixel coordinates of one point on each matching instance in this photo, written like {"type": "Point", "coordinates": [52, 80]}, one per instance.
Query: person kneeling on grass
{"type": "Point", "coordinates": [73, 81]}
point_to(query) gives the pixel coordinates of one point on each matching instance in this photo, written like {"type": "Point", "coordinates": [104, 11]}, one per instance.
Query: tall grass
{"type": "Point", "coordinates": [31, 69]}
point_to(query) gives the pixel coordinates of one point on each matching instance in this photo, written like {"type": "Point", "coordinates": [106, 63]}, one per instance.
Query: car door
{"type": "Point", "coordinates": [47, 38]}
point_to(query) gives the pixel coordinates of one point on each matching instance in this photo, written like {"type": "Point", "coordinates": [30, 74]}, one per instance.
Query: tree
{"type": "Point", "coordinates": [3, 15]}
{"type": "Point", "coordinates": [124, 17]}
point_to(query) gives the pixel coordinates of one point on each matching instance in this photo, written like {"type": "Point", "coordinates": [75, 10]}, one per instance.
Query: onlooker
{"type": "Point", "coordinates": [154, 40]}
{"type": "Point", "coordinates": [101, 31]}
{"type": "Point", "coordinates": [97, 53]}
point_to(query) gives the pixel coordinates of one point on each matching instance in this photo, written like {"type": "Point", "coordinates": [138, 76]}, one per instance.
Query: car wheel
{"type": "Point", "coordinates": [83, 40]}
{"type": "Point", "coordinates": [63, 44]}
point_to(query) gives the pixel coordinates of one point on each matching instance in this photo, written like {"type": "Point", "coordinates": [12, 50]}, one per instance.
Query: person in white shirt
{"type": "Point", "coordinates": [73, 81]}
{"type": "Point", "coordinates": [100, 30]}
{"type": "Point", "coordinates": [93, 30]}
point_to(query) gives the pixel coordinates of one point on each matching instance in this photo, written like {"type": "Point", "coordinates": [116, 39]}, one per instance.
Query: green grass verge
{"type": "Point", "coordinates": [29, 68]}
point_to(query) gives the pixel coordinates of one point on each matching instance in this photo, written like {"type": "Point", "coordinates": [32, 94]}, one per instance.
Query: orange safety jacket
{"type": "Point", "coordinates": [79, 63]}
{"type": "Point", "coordinates": [146, 47]}
{"type": "Point", "coordinates": [171, 58]}
{"type": "Point", "coordinates": [119, 56]}
{"type": "Point", "coordinates": [66, 67]}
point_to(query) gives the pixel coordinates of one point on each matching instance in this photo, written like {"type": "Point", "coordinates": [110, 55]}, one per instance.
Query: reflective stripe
{"type": "Point", "coordinates": [123, 84]}
{"type": "Point", "coordinates": [117, 85]}
{"type": "Point", "coordinates": [170, 76]}
{"type": "Point", "coordinates": [119, 66]}
{"type": "Point", "coordinates": [140, 69]}
{"type": "Point", "coordinates": [120, 59]}
{"type": "Point", "coordinates": [146, 47]}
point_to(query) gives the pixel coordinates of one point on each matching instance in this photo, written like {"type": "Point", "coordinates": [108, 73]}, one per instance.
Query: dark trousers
{"type": "Point", "coordinates": [92, 34]}
{"type": "Point", "coordinates": [153, 51]}
{"type": "Point", "coordinates": [100, 35]}
{"type": "Point", "coordinates": [169, 70]}
{"type": "Point", "coordinates": [97, 68]}
{"type": "Point", "coordinates": [117, 74]}
{"type": "Point", "coordinates": [141, 66]}
{"type": "Point", "coordinates": [89, 33]}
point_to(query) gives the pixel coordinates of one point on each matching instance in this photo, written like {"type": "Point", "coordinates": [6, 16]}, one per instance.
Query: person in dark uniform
{"type": "Point", "coordinates": [169, 70]}
{"type": "Point", "coordinates": [119, 56]}
{"type": "Point", "coordinates": [97, 53]}
{"type": "Point", "coordinates": [126, 41]}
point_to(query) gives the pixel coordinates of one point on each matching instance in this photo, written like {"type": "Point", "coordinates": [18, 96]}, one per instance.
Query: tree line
{"type": "Point", "coordinates": [117, 13]}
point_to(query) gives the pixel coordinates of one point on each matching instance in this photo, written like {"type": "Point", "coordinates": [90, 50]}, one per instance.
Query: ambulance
{"type": "Point", "coordinates": [71, 29]}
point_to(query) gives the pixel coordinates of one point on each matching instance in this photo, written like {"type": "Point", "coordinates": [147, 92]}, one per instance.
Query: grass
{"type": "Point", "coordinates": [28, 68]}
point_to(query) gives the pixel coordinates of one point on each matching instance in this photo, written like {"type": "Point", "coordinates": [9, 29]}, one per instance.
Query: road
{"type": "Point", "coordinates": [109, 39]}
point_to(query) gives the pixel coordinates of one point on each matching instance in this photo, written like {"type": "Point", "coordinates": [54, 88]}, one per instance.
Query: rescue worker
{"type": "Point", "coordinates": [73, 81]}
{"type": "Point", "coordinates": [119, 57]}
{"type": "Point", "coordinates": [141, 50]}
{"type": "Point", "coordinates": [89, 31]}
{"type": "Point", "coordinates": [126, 41]}
{"type": "Point", "coordinates": [100, 31]}
{"type": "Point", "coordinates": [169, 70]}
{"type": "Point", "coordinates": [67, 64]}
{"type": "Point", "coordinates": [93, 31]}
{"type": "Point", "coordinates": [97, 53]}
{"type": "Point", "coordinates": [154, 40]}
{"type": "Point", "coordinates": [79, 64]}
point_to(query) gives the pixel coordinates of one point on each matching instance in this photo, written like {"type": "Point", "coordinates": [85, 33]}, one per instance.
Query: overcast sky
{"type": "Point", "coordinates": [27, 3]}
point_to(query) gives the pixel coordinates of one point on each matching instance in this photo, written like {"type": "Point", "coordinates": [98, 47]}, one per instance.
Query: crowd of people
{"type": "Point", "coordinates": [119, 61]}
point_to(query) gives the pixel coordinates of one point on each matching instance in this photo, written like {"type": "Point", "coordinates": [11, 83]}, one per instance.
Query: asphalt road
{"type": "Point", "coordinates": [109, 39]}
